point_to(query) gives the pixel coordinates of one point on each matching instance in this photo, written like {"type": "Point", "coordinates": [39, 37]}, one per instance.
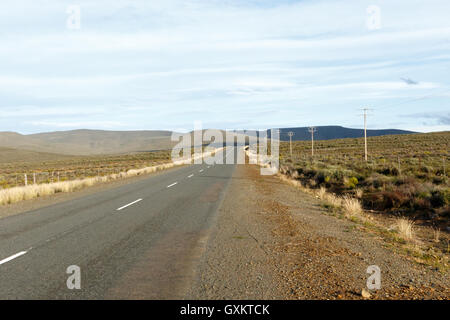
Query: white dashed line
{"type": "Point", "coordinates": [190, 176]}
{"type": "Point", "coordinates": [200, 170]}
{"type": "Point", "coordinates": [21, 253]}
{"type": "Point", "coordinates": [171, 185]}
{"type": "Point", "coordinates": [127, 205]}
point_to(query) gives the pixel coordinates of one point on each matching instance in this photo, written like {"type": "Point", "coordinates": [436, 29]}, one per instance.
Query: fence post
{"type": "Point", "coordinates": [443, 164]}
{"type": "Point", "coordinates": [34, 177]}
{"type": "Point", "coordinates": [26, 179]}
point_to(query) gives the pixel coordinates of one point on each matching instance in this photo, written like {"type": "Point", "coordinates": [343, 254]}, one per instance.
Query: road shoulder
{"type": "Point", "coordinates": [274, 242]}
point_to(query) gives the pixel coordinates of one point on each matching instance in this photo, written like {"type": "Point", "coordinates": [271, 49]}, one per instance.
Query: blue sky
{"type": "Point", "coordinates": [231, 64]}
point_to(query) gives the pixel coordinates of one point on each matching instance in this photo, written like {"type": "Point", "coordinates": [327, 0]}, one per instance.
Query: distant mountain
{"type": "Point", "coordinates": [92, 142]}
{"type": "Point", "coordinates": [88, 142]}
{"type": "Point", "coordinates": [335, 132]}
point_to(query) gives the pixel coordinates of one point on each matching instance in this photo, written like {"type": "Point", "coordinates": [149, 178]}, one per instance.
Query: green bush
{"type": "Point", "coordinates": [352, 182]}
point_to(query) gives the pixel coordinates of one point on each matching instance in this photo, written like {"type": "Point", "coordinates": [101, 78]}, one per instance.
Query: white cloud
{"type": "Point", "coordinates": [144, 62]}
{"type": "Point", "coordinates": [77, 124]}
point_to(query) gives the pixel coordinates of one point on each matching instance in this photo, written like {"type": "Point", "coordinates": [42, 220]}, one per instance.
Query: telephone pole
{"type": "Point", "coordinates": [312, 130]}
{"type": "Point", "coordinates": [290, 134]}
{"type": "Point", "coordinates": [365, 132]}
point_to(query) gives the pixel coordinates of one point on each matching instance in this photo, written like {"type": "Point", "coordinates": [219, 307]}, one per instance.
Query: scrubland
{"type": "Point", "coordinates": [405, 174]}
{"type": "Point", "coordinates": [402, 192]}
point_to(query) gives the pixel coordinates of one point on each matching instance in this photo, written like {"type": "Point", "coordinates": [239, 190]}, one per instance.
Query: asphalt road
{"type": "Point", "coordinates": [137, 241]}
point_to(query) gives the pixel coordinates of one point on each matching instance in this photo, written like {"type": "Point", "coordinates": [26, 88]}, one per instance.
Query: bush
{"type": "Point", "coordinates": [386, 200]}
{"type": "Point", "coordinates": [421, 204]}
{"type": "Point", "coordinates": [352, 182]}
{"type": "Point", "coordinates": [389, 171]}
{"type": "Point", "coordinates": [320, 178]}
{"type": "Point", "coordinates": [440, 198]}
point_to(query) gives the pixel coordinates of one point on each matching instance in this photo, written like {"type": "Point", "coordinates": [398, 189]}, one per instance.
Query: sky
{"type": "Point", "coordinates": [249, 64]}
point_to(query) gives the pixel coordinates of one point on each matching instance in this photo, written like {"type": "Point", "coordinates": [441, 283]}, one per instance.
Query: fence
{"type": "Point", "coordinates": [16, 179]}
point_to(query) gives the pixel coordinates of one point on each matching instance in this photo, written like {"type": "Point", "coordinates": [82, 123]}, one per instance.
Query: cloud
{"type": "Point", "coordinates": [409, 81]}
{"type": "Point", "coordinates": [150, 64]}
{"type": "Point", "coordinates": [439, 118]}
{"type": "Point", "coordinates": [77, 124]}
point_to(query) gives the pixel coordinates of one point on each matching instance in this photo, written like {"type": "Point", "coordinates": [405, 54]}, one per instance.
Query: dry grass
{"type": "Point", "coordinates": [436, 235]}
{"type": "Point", "coordinates": [321, 193]}
{"type": "Point", "coordinates": [405, 228]}
{"type": "Point", "coordinates": [332, 200]}
{"type": "Point", "coordinates": [359, 193]}
{"type": "Point", "coordinates": [352, 207]}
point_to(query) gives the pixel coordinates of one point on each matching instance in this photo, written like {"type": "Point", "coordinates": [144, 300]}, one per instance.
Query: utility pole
{"type": "Point", "coordinates": [290, 134]}
{"type": "Point", "coordinates": [312, 130]}
{"type": "Point", "coordinates": [365, 132]}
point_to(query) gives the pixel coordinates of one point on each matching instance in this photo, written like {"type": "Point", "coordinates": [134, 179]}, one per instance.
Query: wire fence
{"type": "Point", "coordinates": [16, 179]}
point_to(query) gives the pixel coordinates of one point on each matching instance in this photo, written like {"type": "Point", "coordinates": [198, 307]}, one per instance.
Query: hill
{"type": "Point", "coordinates": [335, 132]}
{"type": "Point", "coordinates": [96, 142]}
{"type": "Point", "coordinates": [91, 142]}
{"type": "Point", "coordinates": [88, 142]}
{"type": "Point", "coordinates": [11, 155]}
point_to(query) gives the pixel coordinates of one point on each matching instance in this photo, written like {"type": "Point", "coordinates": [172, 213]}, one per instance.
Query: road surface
{"type": "Point", "coordinates": [137, 241]}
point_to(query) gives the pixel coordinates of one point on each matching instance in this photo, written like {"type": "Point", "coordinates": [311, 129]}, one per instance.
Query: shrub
{"type": "Point", "coordinates": [352, 182]}
{"type": "Point", "coordinates": [389, 171]}
{"type": "Point", "coordinates": [421, 204]}
{"type": "Point", "coordinates": [394, 199]}
{"type": "Point", "coordinates": [320, 178]}
{"type": "Point", "coordinates": [439, 198]}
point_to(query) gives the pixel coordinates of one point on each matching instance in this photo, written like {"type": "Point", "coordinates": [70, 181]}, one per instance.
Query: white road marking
{"type": "Point", "coordinates": [21, 253]}
{"type": "Point", "coordinates": [127, 205]}
{"type": "Point", "coordinates": [190, 176]}
{"type": "Point", "coordinates": [207, 167]}
{"type": "Point", "coordinates": [200, 170]}
{"type": "Point", "coordinates": [171, 185]}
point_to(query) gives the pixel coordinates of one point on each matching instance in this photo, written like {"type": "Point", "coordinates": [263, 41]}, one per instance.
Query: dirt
{"type": "Point", "coordinates": [274, 242]}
